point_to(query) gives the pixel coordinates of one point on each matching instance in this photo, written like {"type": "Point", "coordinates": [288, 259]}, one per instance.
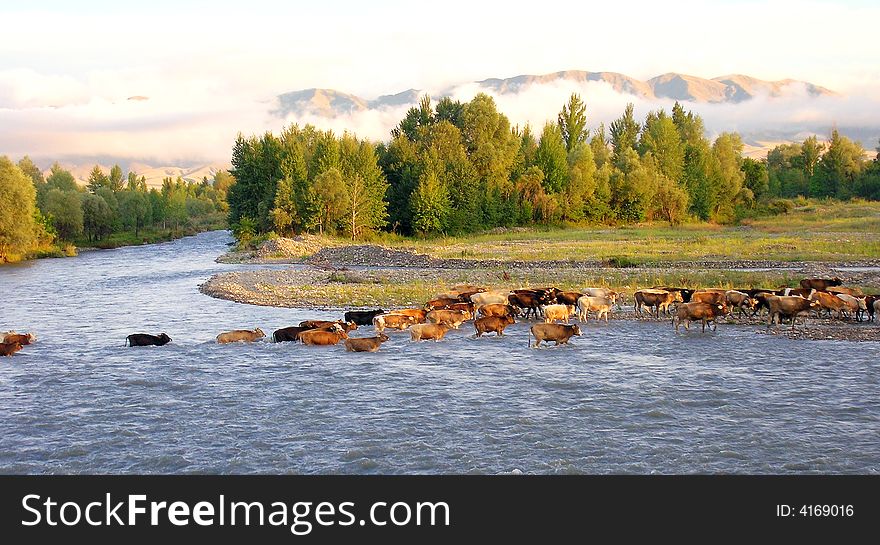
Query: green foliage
{"type": "Point", "coordinates": [572, 121]}
{"type": "Point", "coordinates": [65, 209]}
{"type": "Point", "coordinates": [98, 217]}
{"type": "Point", "coordinates": [17, 209]}
{"type": "Point", "coordinates": [430, 205]}
{"type": "Point", "coordinates": [97, 180]}
{"type": "Point", "coordinates": [330, 192]}
{"type": "Point", "coordinates": [551, 158]}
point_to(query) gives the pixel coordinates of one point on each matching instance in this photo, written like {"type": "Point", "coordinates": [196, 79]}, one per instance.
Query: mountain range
{"type": "Point", "coordinates": [732, 88]}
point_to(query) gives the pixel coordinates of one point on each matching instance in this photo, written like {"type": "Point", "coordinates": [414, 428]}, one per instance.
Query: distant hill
{"type": "Point", "coordinates": [81, 167]}
{"type": "Point", "coordinates": [732, 88]}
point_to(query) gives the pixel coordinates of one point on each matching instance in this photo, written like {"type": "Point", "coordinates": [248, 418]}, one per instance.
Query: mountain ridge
{"type": "Point", "coordinates": [731, 88]}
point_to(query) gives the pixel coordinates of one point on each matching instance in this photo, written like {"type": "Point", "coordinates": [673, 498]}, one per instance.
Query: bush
{"type": "Point", "coordinates": [780, 206]}
{"type": "Point", "coordinates": [621, 262]}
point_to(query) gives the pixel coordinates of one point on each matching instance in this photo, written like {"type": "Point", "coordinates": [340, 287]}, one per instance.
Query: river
{"type": "Point", "coordinates": [626, 397]}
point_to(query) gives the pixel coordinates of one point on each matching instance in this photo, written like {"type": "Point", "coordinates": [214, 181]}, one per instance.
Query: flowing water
{"type": "Point", "coordinates": [626, 397]}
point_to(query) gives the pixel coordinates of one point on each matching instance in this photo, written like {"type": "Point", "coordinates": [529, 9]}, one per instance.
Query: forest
{"type": "Point", "coordinates": [51, 215]}
{"type": "Point", "coordinates": [455, 168]}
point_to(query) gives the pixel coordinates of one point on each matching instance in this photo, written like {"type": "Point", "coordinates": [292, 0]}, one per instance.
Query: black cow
{"type": "Point", "coordinates": [362, 317]}
{"type": "Point", "coordinates": [530, 300]}
{"type": "Point", "coordinates": [289, 334]}
{"type": "Point", "coordinates": [143, 339]}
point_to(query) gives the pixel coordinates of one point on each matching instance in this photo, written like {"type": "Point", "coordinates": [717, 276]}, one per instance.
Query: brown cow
{"type": "Point", "coordinates": [239, 335]}
{"type": "Point", "coordinates": [325, 324]}
{"type": "Point", "coordinates": [497, 309]}
{"type": "Point", "coordinates": [365, 344]}
{"type": "Point", "coordinates": [820, 284]}
{"type": "Point", "coordinates": [464, 307]}
{"type": "Point", "coordinates": [739, 300]}
{"type": "Point", "coordinates": [393, 321]}
{"type": "Point", "coordinates": [492, 323]}
{"type": "Point", "coordinates": [854, 304]}
{"type": "Point", "coordinates": [559, 333]}
{"type": "Point", "coordinates": [452, 318]}
{"type": "Point", "coordinates": [790, 306]}
{"type": "Point", "coordinates": [418, 314]}
{"type": "Point", "coordinates": [705, 312]}
{"type": "Point", "coordinates": [13, 337]}
{"type": "Point", "coordinates": [829, 302]}
{"type": "Point", "coordinates": [855, 292]}
{"type": "Point", "coordinates": [425, 332]}
{"type": "Point", "coordinates": [659, 299]}
{"type": "Point", "coordinates": [712, 297]}
{"type": "Point", "coordinates": [569, 298]}
{"type": "Point", "coordinates": [321, 337]}
{"type": "Point", "coordinates": [440, 303]}
{"type": "Point", "coordinates": [8, 349]}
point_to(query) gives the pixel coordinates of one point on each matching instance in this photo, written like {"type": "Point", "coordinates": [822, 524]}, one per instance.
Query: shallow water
{"type": "Point", "coordinates": [627, 397]}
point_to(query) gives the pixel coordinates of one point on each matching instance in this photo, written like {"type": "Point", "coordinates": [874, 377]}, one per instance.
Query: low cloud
{"type": "Point", "coordinates": [197, 119]}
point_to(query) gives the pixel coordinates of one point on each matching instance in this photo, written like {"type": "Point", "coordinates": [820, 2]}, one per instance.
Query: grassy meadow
{"type": "Point", "coordinates": [817, 231]}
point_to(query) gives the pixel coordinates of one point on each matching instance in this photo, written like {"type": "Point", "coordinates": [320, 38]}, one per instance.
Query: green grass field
{"type": "Point", "coordinates": [818, 231]}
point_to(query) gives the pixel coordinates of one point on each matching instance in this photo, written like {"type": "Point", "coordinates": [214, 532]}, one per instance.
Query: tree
{"type": "Point", "coordinates": [17, 210]}
{"type": "Point", "coordinates": [689, 125]}
{"type": "Point", "coordinates": [727, 173]}
{"type": "Point", "coordinates": [116, 179]}
{"type": "Point", "coordinates": [97, 217]}
{"type": "Point", "coordinates": [581, 184]}
{"type": "Point", "coordinates": [661, 138]}
{"type": "Point", "coordinates": [97, 180]}
{"type": "Point", "coordinates": [32, 171]}
{"type": "Point", "coordinates": [811, 150]}
{"type": "Point", "coordinates": [137, 184]}
{"type": "Point", "coordinates": [552, 158]}
{"type": "Point", "coordinates": [756, 178]}
{"type": "Point", "coordinates": [331, 195]}
{"type": "Point", "coordinates": [65, 209]}
{"type": "Point", "coordinates": [430, 204]}
{"type": "Point", "coordinates": [599, 146]}
{"type": "Point", "coordinates": [838, 169]}
{"type": "Point", "coordinates": [572, 121]}
{"type": "Point", "coordinates": [624, 134]}
{"type": "Point", "coordinates": [135, 210]}
{"type": "Point", "coordinates": [223, 180]}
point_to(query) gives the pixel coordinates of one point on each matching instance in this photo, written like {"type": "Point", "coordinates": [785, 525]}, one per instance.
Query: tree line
{"type": "Point", "coordinates": [460, 167]}
{"type": "Point", "coordinates": [42, 215]}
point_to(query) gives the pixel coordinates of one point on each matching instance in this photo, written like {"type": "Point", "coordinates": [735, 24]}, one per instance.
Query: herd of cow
{"type": "Point", "coordinates": [494, 310]}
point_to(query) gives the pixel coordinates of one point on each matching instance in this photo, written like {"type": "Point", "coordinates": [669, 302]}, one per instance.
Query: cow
{"type": "Point", "coordinates": [557, 312]}
{"type": "Point", "coordinates": [760, 297]}
{"type": "Point", "coordinates": [599, 305]}
{"type": "Point", "coordinates": [452, 318]}
{"type": "Point", "coordinates": [558, 333]}
{"type": "Point", "coordinates": [362, 317]}
{"type": "Point", "coordinates": [325, 324]}
{"type": "Point", "coordinates": [393, 321]}
{"type": "Point", "coordinates": [143, 339]}
{"type": "Point", "coordinates": [530, 301]}
{"type": "Point", "coordinates": [820, 284]}
{"type": "Point", "coordinates": [424, 332]}
{"type": "Point", "coordinates": [790, 306]}
{"type": "Point", "coordinates": [870, 306]}
{"type": "Point", "coordinates": [323, 337]}
{"type": "Point", "coordinates": [440, 303]}
{"type": "Point", "coordinates": [795, 292]}
{"type": "Point", "coordinates": [23, 339]}
{"type": "Point", "coordinates": [876, 307]}
{"type": "Point", "coordinates": [739, 300]}
{"type": "Point", "coordinates": [289, 334]}
{"type": "Point", "coordinates": [705, 312]}
{"type": "Point", "coordinates": [497, 324]}
{"type": "Point", "coordinates": [829, 302]}
{"type": "Point", "coordinates": [490, 298]}
{"type": "Point", "coordinates": [418, 314]}
{"type": "Point", "coordinates": [712, 297]}
{"type": "Point", "coordinates": [498, 309]}
{"type": "Point", "coordinates": [854, 304]}
{"type": "Point", "coordinates": [365, 344]}
{"type": "Point", "coordinates": [465, 296]}
{"type": "Point", "coordinates": [464, 307]}
{"type": "Point", "coordinates": [569, 298]}
{"type": "Point", "coordinates": [245, 335]}
{"type": "Point", "coordinates": [855, 292]}
{"type": "Point", "coordinates": [8, 349]}
{"type": "Point", "coordinates": [659, 299]}
{"type": "Point", "coordinates": [686, 293]}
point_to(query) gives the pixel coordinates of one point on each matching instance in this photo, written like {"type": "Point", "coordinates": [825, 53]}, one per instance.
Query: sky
{"type": "Point", "coordinates": [212, 69]}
